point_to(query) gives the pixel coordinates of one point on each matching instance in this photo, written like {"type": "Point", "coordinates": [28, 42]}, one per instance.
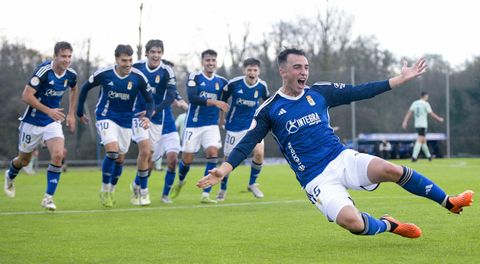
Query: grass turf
{"type": "Point", "coordinates": [281, 228]}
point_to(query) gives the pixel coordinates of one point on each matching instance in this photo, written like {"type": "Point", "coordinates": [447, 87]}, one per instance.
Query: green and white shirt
{"type": "Point", "coordinates": [421, 109]}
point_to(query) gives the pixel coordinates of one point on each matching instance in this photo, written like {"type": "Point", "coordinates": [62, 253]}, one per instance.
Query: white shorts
{"type": "Point", "coordinates": [110, 132]}
{"type": "Point", "coordinates": [31, 136]}
{"type": "Point", "coordinates": [168, 143]}
{"type": "Point", "coordinates": [205, 136]}
{"type": "Point", "coordinates": [154, 132]}
{"type": "Point", "coordinates": [328, 191]}
{"type": "Point", "coordinates": [231, 140]}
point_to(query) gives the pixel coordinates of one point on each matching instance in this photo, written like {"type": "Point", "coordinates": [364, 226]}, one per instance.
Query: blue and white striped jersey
{"type": "Point", "coordinates": [117, 95]}
{"type": "Point", "coordinates": [199, 89]}
{"type": "Point", "coordinates": [162, 80]}
{"type": "Point", "coordinates": [50, 89]}
{"type": "Point", "coordinates": [301, 126]}
{"type": "Point", "coordinates": [245, 101]}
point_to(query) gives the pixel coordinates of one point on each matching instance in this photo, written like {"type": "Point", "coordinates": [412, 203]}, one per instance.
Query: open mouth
{"type": "Point", "coordinates": [301, 82]}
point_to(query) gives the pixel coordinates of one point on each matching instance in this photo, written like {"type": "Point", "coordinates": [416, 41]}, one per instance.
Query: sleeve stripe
{"type": "Point", "coordinates": [43, 70]}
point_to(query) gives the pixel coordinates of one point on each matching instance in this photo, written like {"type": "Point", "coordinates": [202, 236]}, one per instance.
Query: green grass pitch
{"type": "Point", "coordinates": [281, 228]}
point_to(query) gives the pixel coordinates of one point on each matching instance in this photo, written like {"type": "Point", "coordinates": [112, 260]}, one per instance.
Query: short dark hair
{"type": "Point", "coordinates": [123, 50]}
{"type": "Point", "coordinates": [282, 56]}
{"type": "Point", "coordinates": [167, 62]}
{"type": "Point", "coordinates": [62, 45]}
{"type": "Point", "coordinates": [423, 93]}
{"type": "Point", "coordinates": [209, 52]}
{"type": "Point", "coordinates": [251, 62]}
{"type": "Point", "coordinates": [154, 43]}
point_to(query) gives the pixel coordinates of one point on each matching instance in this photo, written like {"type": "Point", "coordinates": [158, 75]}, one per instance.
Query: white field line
{"type": "Point", "coordinates": [164, 208]}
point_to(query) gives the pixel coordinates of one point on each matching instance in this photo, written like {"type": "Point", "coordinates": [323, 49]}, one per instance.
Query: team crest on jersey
{"type": "Point", "coordinates": [191, 83]}
{"type": "Point", "coordinates": [35, 81]}
{"type": "Point", "coordinates": [157, 79]}
{"type": "Point", "coordinates": [255, 95]}
{"type": "Point", "coordinates": [65, 83]}
{"type": "Point", "coordinates": [217, 86]}
{"type": "Point", "coordinates": [310, 100]}
{"type": "Point", "coordinates": [129, 85]}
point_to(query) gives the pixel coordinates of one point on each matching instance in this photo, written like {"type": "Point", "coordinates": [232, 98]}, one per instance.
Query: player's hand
{"type": "Point", "coordinates": [56, 114]}
{"type": "Point", "coordinates": [141, 114]}
{"type": "Point", "coordinates": [71, 124]}
{"type": "Point", "coordinates": [145, 122]}
{"type": "Point", "coordinates": [214, 177]}
{"type": "Point", "coordinates": [417, 69]}
{"type": "Point", "coordinates": [181, 104]}
{"type": "Point", "coordinates": [84, 119]}
{"type": "Point", "coordinates": [222, 106]}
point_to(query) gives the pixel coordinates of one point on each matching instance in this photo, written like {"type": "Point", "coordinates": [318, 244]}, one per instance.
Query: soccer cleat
{"type": "Point", "coordinates": [255, 190]}
{"type": "Point", "coordinates": [106, 199]}
{"type": "Point", "coordinates": [430, 159]}
{"type": "Point", "coordinates": [207, 200]}
{"type": "Point", "coordinates": [177, 188]}
{"type": "Point", "coordinates": [48, 204]}
{"type": "Point", "coordinates": [112, 197]}
{"type": "Point", "coordinates": [408, 230]}
{"type": "Point", "coordinates": [460, 201]}
{"type": "Point", "coordinates": [135, 198]}
{"type": "Point", "coordinates": [8, 186]}
{"type": "Point", "coordinates": [165, 199]}
{"type": "Point", "coordinates": [414, 160]}
{"type": "Point", "coordinates": [221, 195]}
{"type": "Point", "coordinates": [144, 198]}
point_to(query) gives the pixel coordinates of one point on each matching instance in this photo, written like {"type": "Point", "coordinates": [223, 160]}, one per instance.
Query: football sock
{"type": "Point", "coordinates": [426, 151]}
{"type": "Point", "coordinates": [254, 172]}
{"type": "Point", "coordinates": [211, 163]}
{"type": "Point", "coordinates": [13, 171]}
{"type": "Point", "coordinates": [416, 150]}
{"type": "Point", "coordinates": [420, 185]}
{"type": "Point", "coordinates": [143, 177]}
{"type": "Point", "coordinates": [117, 172]}
{"type": "Point", "coordinates": [107, 166]}
{"type": "Point", "coordinates": [372, 226]}
{"type": "Point", "coordinates": [223, 185]}
{"type": "Point", "coordinates": [53, 176]}
{"type": "Point", "coordinates": [169, 179]}
{"type": "Point", "coordinates": [183, 170]}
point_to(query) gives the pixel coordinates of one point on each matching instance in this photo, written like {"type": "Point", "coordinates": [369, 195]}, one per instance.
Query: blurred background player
{"type": "Point", "coordinates": [169, 144]}
{"type": "Point", "coordinates": [246, 92]}
{"type": "Point", "coordinates": [420, 110]}
{"type": "Point", "coordinates": [204, 91]}
{"type": "Point", "coordinates": [163, 81]}
{"type": "Point", "coordinates": [121, 83]}
{"type": "Point", "coordinates": [43, 117]}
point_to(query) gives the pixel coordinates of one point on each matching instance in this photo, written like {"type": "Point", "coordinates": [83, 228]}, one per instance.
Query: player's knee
{"type": "Point", "coordinates": [352, 223]}
{"type": "Point", "coordinates": [57, 156]}
{"type": "Point", "coordinates": [392, 171]}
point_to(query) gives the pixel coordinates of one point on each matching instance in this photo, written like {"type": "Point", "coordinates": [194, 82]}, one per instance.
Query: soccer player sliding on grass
{"type": "Point", "coordinates": [298, 117]}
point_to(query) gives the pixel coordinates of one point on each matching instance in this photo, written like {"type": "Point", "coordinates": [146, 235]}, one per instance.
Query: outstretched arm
{"type": "Point", "coordinates": [438, 118]}
{"type": "Point", "coordinates": [215, 175]}
{"type": "Point", "coordinates": [406, 118]}
{"type": "Point", "coordinates": [408, 73]}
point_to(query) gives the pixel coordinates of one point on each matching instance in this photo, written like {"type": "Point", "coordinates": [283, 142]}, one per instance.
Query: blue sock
{"type": "Point", "coordinates": [137, 180]}
{"type": "Point", "coordinates": [372, 226]}
{"type": "Point", "coordinates": [420, 185]}
{"type": "Point", "coordinates": [169, 179]}
{"type": "Point", "coordinates": [183, 170]}
{"type": "Point", "coordinates": [107, 169]}
{"type": "Point", "coordinates": [211, 163]}
{"type": "Point", "coordinates": [117, 172]}
{"type": "Point", "coordinates": [143, 177]}
{"type": "Point", "coordinates": [13, 171]}
{"type": "Point", "coordinates": [223, 185]}
{"type": "Point", "coordinates": [254, 171]}
{"type": "Point", "coordinates": [53, 176]}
